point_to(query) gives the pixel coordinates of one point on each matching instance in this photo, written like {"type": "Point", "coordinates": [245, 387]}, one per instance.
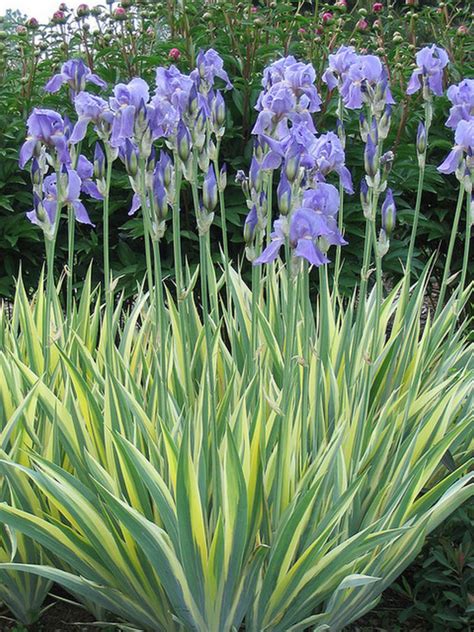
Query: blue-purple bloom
{"type": "Point", "coordinates": [128, 100]}
{"type": "Point", "coordinates": [464, 138]}
{"type": "Point", "coordinates": [289, 95]}
{"type": "Point", "coordinates": [76, 74]}
{"type": "Point", "coordinates": [339, 64]}
{"type": "Point", "coordinates": [69, 195]}
{"type": "Point", "coordinates": [462, 98]}
{"type": "Point", "coordinates": [91, 109]}
{"type": "Point", "coordinates": [45, 126]}
{"type": "Point", "coordinates": [316, 218]}
{"type": "Point", "coordinates": [329, 156]}
{"type": "Point", "coordinates": [173, 87]}
{"type": "Point", "coordinates": [430, 61]}
{"type": "Point", "coordinates": [209, 66]}
{"type": "Point", "coordinates": [304, 230]}
{"type": "Point", "coordinates": [85, 170]}
{"type": "Point", "coordinates": [366, 81]}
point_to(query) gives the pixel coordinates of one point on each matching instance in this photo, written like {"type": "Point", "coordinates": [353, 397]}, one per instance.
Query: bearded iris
{"type": "Point", "coordinates": [76, 74]}
{"type": "Point", "coordinates": [462, 151]}
{"type": "Point", "coordinates": [70, 193]}
{"type": "Point", "coordinates": [430, 62]}
{"type": "Point", "coordinates": [45, 127]}
{"type": "Point", "coordinates": [462, 99]}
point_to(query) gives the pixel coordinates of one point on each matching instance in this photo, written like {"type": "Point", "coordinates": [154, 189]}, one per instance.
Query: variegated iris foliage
{"type": "Point", "coordinates": [147, 512]}
{"type": "Point", "coordinates": [218, 456]}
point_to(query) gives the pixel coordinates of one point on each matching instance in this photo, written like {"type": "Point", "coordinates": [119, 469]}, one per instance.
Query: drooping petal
{"type": "Point", "coordinates": [452, 160]}
{"type": "Point", "coordinates": [271, 161]}
{"type": "Point", "coordinates": [79, 131]}
{"type": "Point", "coordinates": [306, 248]}
{"type": "Point", "coordinates": [81, 214]}
{"type": "Point", "coordinates": [90, 188]}
{"type": "Point", "coordinates": [136, 204]}
{"type": "Point", "coordinates": [26, 152]}
{"type": "Point", "coordinates": [84, 168]}
{"type": "Point", "coordinates": [95, 79]}
{"type": "Point", "coordinates": [31, 215]}
{"type": "Point", "coordinates": [55, 83]}
{"type": "Point", "coordinates": [414, 84]}
{"type": "Point", "coordinates": [270, 253]}
{"type": "Point", "coordinates": [346, 180]}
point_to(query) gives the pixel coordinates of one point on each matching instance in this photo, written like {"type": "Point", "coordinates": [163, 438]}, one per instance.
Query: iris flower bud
{"type": "Point", "coordinates": [223, 177]}
{"type": "Point", "coordinates": [292, 165]}
{"type": "Point", "coordinates": [193, 102]}
{"type": "Point", "coordinates": [130, 158]}
{"type": "Point", "coordinates": [99, 162]}
{"type": "Point", "coordinates": [184, 141]}
{"type": "Point", "coordinates": [250, 225]}
{"type": "Point", "coordinates": [151, 162]}
{"type": "Point", "coordinates": [384, 124]}
{"type": "Point", "coordinates": [363, 128]}
{"type": "Point", "coordinates": [364, 197]}
{"type": "Point", "coordinates": [370, 158]}
{"type": "Point", "coordinates": [284, 195]}
{"type": "Point", "coordinates": [421, 139]}
{"type": "Point", "coordinates": [35, 172]}
{"type": "Point", "coordinates": [209, 190]}
{"type": "Point", "coordinates": [255, 175]}
{"type": "Point", "coordinates": [165, 167]}
{"type": "Point", "coordinates": [388, 213]}
{"type": "Point", "coordinates": [161, 200]}
{"type": "Point", "coordinates": [218, 110]}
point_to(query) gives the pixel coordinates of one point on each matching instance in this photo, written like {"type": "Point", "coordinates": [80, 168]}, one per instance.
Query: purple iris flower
{"type": "Point", "coordinates": [45, 126]}
{"type": "Point", "coordinates": [329, 156]}
{"type": "Point", "coordinates": [289, 95]}
{"type": "Point", "coordinates": [127, 101]}
{"type": "Point", "coordinates": [70, 195]}
{"type": "Point", "coordinates": [276, 106]}
{"type": "Point", "coordinates": [76, 74]}
{"type": "Point", "coordinates": [430, 62]}
{"type": "Point", "coordinates": [85, 170]}
{"type": "Point", "coordinates": [462, 98]}
{"type": "Point", "coordinates": [297, 146]}
{"type": "Point", "coordinates": [304, 229]}
{"type": "Point", "coordinates": [339, 64]}
{"type": "Point", "coordinates": [464, 138]}
{"type": "Point", "coordinates": [90, 109]}
{"type": "Point", "coordinates": [324, 203]}
{"type": "Point", "coordinates": [365, 80]}
{"type": "Point", "coordinates": [174, 87]}
{"type": "Point", "coordinates": [209, 66]}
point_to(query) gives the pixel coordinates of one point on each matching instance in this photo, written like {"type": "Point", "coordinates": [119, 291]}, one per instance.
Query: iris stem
{"type": "Point", "coordinates": [178, 269]}
{"type": "Point", "coordinates": [452, 239]}
{"type": "Point", "coordinates": [467, 242]}
{"type": "Point", "coordinates": [50, 248]}
{"type": "Point", "coordinates": [107, 273]}
{"type": "Point", "coordinates": [340, 219]}
{"type": "Point", "coordinates": [71, 229]}
{"type": "Point", "coordinates": [284, 424]}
